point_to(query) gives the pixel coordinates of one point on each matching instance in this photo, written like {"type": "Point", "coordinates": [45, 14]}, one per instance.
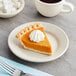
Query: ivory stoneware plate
{"type": "Point", "coordinates": [56, 36]}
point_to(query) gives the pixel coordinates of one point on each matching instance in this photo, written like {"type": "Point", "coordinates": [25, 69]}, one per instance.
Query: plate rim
{"type": "Point", "coordinates": [45, 60]}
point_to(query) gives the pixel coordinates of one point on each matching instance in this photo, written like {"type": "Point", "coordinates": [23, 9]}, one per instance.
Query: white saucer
{"type": "Point", "coordinates": [55, 34]}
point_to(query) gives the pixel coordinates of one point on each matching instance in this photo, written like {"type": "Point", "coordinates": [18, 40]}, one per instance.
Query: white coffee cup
{"type": "Point", "coordinates": [53, 9]}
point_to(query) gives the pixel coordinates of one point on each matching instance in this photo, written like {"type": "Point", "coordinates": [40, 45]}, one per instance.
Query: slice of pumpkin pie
{"type": "Point", "coordinates": [34, 38]}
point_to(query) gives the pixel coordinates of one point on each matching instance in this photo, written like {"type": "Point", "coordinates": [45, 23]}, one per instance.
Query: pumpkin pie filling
{"type": "Point", "coordinates": [43, 47]}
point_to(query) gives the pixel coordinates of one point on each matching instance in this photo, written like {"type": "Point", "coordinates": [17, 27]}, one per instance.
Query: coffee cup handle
{"type": "Point", "coordinates": [69, 6]}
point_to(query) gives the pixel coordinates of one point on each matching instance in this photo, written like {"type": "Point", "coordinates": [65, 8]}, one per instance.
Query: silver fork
{"type": "Point", "coordinates": [11, 70]}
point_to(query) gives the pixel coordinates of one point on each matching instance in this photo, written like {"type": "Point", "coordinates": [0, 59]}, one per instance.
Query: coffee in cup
{"type": "Point", "coordinates": [50, 1]}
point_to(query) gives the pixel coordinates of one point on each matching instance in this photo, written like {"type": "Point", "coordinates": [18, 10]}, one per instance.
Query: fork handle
{"type": "Point", "coordinates": [25, 74]}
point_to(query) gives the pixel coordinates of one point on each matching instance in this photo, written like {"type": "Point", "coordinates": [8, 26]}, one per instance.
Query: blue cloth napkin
{"type": "Point", "coordinates": [22, 67]}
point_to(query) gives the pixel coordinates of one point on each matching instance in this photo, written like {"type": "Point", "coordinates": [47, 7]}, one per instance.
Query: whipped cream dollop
{"type": "Point", "coordinates": [37, 36]}
{"type": "Point", "coordinates": [9, 6]}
